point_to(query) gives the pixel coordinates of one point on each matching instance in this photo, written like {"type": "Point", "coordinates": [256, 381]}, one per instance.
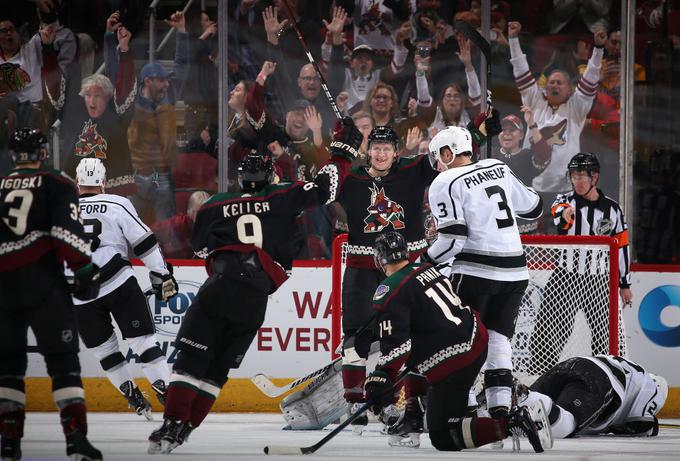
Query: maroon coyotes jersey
{"type": "Point", "coordinates": [381, 204]}
{"type": "Point", "coordinates": [422, 321]}
{"type": "Point", "coordinates": [39, 214]}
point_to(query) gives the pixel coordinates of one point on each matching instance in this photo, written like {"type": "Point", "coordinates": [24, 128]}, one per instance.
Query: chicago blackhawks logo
{"type": "Point", "coordinates": [382, 212]}
{"type": "Point", "coordinates": [12, 78]}
{"type": "Point", "coordinates": [90, 143]}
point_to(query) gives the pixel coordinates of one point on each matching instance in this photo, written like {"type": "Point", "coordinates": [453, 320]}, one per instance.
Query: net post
{"type": "Point", "coordinates": [613, 296]}
{"type": "Point", "coordinates": [336, 293]}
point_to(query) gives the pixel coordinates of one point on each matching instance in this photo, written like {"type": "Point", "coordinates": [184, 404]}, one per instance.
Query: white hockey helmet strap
{"type": "Point", "coordinates": [91, 172]}
{"type": "Point", "coordinates": [456, 138]}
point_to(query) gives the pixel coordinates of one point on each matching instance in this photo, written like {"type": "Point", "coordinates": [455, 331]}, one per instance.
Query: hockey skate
{"type": "Point", "coordinates": [406, 431]}
{"type": "Point", "coordinates": [530, 422]}
{"type": "Point", "coordinates": [161, 390]}
{"type": "Point", "coordinates": [361, 421]}
{"type": "Point", "coordinates": [10, 449]}
{"type": "Point", "coordinates": [136, 399]}
{"type": "Point", "coordinates": [169, 436]}
{"type": "Point", "coordinates": [78, 448]}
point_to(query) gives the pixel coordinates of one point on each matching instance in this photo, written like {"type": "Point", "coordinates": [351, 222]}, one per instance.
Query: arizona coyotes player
{"type": "Point", "coordinates": [247, 238]}
{"type": "Point", "coordinates": [40, 230]}
{"type": "Point", "coordinates": [475, 205]}
{"type": "Point", "coordinates": [600, 395]}
{"type": "Point", "coordinates": [113, 226]}
{"type": "Point", "coordinates": [424, 325]}
{"type": "Point", "coordinates": [386, 195]}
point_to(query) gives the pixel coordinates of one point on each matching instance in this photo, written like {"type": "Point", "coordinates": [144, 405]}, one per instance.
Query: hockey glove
{"type": "Point", "coordinates": [164, 286]}
{"type": "Point", "coordinates": [84, 284]}
{"type": "Point", "coordinates": [346, 139]}
{"type": "Point", "coordinates": [379, 391]}
{"type": "Point", "coordinates": [484, 125]}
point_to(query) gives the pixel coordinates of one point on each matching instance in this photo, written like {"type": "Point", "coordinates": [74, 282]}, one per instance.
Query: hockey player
{"type": "Point", "coordinates": [600, 395]}
{"type": "Point", "coordinates": [40, 229]}
{"type": "Point", "coordinates": [112, 224]}
{"type": "Point", "coordinates": [424, 324]}
{"type": "Point", "coordinates": [583, 211]}
{"type": "Point", "coordinates": [387, 194]}
{"type": "Point", "coordinates": [248, 241]}
{"type": "Point", "coordinates": [475, 205]}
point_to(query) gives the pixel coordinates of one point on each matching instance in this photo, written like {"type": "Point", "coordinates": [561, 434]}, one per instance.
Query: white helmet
{"type": "Point", "coordinates": [91, 172]}
{"type": "Point", "coordinates": [455, 138]}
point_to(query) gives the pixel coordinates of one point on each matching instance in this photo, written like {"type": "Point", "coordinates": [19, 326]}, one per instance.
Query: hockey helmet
{"type": "Point", "coordinates": [91, 172]}
{"type": "Point", "coordinates": [28, 145]}
{"type": "Point", "coordinates": [390, 247]}
{"type": "Point", "coordinates": [584, 161]}
{"type": "Point", "coordinates": [383, 134]}
{"type": "Point", "coordinates": [456, 138]}
{"type": "Point", "coordinates": [255, 172]}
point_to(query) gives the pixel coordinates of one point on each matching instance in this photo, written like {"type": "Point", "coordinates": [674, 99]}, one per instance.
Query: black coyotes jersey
{"type": "Point", "coordinates": [264, 221]}
{"type": "Point", "coordinates": [380, 204]}
{"type": "Point", "coordinates": [423, 321]}
{"type": "Point", "coordinates": [39, 214]}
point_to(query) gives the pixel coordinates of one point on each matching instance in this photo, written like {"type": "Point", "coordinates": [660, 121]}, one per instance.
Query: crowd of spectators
{"type": "Point", "coordinates": [387, 62]}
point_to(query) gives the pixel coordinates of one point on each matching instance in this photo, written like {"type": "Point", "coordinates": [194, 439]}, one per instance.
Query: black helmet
{"type": "Point", "coordinates": [255, 172]}
{"type": "Point", "coordinates": [390, 247]}
{"type": "Point", "coordinates": [28, 145]}
{"type": "Point", "coordinates": [383, 134]}
{"type": "Point", "coordinates": [584, 161]}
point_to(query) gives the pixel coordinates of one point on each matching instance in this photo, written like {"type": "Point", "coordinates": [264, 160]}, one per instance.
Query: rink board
{"type": "Point", "coordinates": [295, 339]}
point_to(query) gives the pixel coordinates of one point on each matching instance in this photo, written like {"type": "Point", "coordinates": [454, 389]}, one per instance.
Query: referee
{"type": "Point", "coordinates": [583, 211]}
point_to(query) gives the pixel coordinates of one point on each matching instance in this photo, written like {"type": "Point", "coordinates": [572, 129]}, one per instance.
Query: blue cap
{"type": "Point", "coordinates": [153, 70]}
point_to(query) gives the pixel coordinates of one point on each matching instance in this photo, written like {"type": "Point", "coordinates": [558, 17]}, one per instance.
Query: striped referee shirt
{"type": "Point", "coordinates": [600, 217]}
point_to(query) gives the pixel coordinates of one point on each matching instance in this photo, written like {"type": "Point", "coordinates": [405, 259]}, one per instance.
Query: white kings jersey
{"type": "Point", "coordinates": [475, 208]}
{"type": "Point", "coordinates": [113, 226]}
{"type": "Point", "coordinates": [636, 390]}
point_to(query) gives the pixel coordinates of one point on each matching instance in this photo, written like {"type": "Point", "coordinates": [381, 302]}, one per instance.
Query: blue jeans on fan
{"type": "Point", "coordinates": [155, 197]}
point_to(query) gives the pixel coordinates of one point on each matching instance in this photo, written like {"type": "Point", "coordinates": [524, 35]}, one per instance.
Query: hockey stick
{"type": "Point", "coordinates": [270, 389]}
{"type": "Point", "coordinates": [285, 450]}
{"type": "Point", "coordinates": [669, 426]}
{"type": "Point", "coordinates": [324, 85]}
{"type": "Point", "coordinates": [480, 42]}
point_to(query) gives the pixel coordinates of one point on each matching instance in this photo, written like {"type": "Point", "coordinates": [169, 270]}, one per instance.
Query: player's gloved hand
{"type": "Point", "coordinates": [164, 286]}
{"type": "Point", "coordinates": [492, 124]}
{"type": "Point", "coordinates": [84, 284]}
{"type": "Point", "coordinates": [346, 139]}
{"type": "Point", "coordinates": [486, 124]}
{"type": "Point", "coordinates": [379, 391]}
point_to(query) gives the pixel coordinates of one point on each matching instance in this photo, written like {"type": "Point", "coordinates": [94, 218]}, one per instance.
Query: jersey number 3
{"type": "Point", "coordinates": [19, 213]}
{"type": "Point", "coordinates": [507, 221]}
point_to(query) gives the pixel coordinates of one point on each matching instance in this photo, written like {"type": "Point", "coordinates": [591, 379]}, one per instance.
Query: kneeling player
{"type": "Point", "coordinates": [600, 395]}
{"type": "Point", "coordinates": [112, 224]}
{"type": "Point", "coordinates": [423, 324]}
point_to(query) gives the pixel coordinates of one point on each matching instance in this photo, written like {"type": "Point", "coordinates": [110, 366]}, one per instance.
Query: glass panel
{"type": "Point", "coordinates": [656, 201]}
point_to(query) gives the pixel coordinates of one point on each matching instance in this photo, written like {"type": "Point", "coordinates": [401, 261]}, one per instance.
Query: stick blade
{"type": "Point", "coordinates": [264, 385]}
{"type": "Point", "coordinates": [282, 450]}
{"type": "Point", "coordinates": [475, 37]}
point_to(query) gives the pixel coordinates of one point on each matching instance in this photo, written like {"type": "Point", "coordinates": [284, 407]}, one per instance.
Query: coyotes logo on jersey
{"type": "Point", "coordinates": [382, 212]}
{"type": "Point", "coordinates": [90, 143]}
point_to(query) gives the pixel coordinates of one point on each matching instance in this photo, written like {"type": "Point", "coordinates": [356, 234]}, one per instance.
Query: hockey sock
{"type": "Point", "coordinates": [562, 422]}
{"type": "Point", "coordinates": [73, 417]}
{"type": "Point", "coordinates": [182, 392]}
{"type": "Point", "coordinates": [498, 384]}
{"type": "Point", "coordinates": [154, 364]}
{"type": "Point", "coordinates": [12, 423]}
{"type": "Point", "coordinates": [415, 385]}
{"type": "Point", "coordinates": [475, 431]}
{"type": "Point", "coordinates": [353, 377]}
{"type": "Point", "coordinates": [116, 368]}
{"type": "Point", "coordinates": [203, 403]}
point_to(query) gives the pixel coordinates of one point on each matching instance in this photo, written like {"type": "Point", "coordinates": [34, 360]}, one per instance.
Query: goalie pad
{"type": "Point", "coordinates": [318, 404]}
{"type": "Point", "coordinates": [321, 402]}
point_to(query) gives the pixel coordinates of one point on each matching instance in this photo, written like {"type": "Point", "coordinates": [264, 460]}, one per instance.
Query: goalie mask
{"type": "Point", "coordinates": [255, 172]}
{"type": "Point", "coordinates": [455, 138]}
{"type": "Point", "coordinates": [390, 247]}
{"type": "Point", "coordinates": [28, 145]}
{"type": "Point", "coordinates": [661, 392]}
{"type": "Point", "coordinates": [91, 172]}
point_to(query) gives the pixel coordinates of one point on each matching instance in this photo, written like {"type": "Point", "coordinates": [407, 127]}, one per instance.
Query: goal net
{"type": "Point", "coordinates": [570, 308]}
